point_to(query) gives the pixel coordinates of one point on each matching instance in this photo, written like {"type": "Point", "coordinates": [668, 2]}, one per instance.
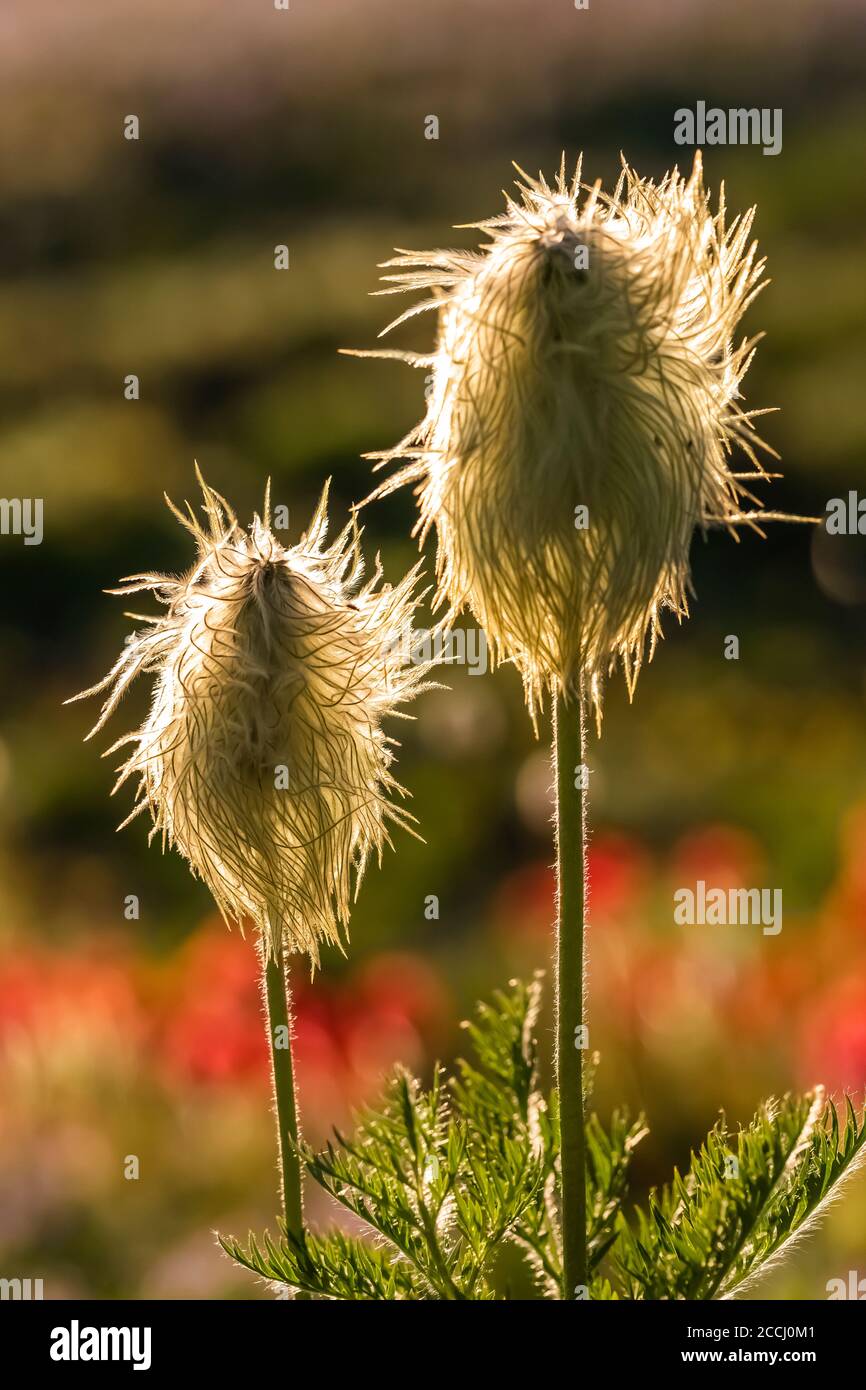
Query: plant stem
{"type": "Point", "coordinates": [277, 1001]}
{"type": "Point", "coordinates": [568, 752]}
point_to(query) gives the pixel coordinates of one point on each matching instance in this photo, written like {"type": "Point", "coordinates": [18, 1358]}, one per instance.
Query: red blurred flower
{"type": "Point", "coordinates": [618, 872]}
{"type": "Point", "coordinates": [766, 993]}
{"type": "Point", "coordinates": [524, 905]}
{"type": "Point", "coordinates": [43, 991]}
{"type": "Point", "coordinates": [834, 1046]}
{"type": "Point", "coordinates": [724, 856]}
{"type": "Point", "coordinates": [209, 1024]}
{"type": "Point", "coordinates": [843, 917]}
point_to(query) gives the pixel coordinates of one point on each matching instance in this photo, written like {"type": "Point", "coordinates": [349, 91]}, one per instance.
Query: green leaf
{"type": "Point", "coordinates": [712, 1233]}
{"type": "Point", "coordinates": [335, 1266]}
{"type": "Point", "coordinates": [440, 1178]}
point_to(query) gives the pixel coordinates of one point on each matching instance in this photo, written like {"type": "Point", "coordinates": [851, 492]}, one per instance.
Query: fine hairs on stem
{"type": "Point", "coordinates": [570, 778]}
{"type": "Point", "coordinates": [276, 998]}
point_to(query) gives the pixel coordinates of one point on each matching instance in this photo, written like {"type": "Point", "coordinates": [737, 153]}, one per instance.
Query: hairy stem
{"type": "Point", "coordinates": [568, 749]}
{"type": "Point", "coordinates": [276, 991]}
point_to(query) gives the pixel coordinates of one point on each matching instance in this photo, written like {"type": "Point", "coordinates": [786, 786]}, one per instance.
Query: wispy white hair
{"type": "Point", "coordinates": [584, 359]}
{"type": "Point", "coordinates": [263, 759]}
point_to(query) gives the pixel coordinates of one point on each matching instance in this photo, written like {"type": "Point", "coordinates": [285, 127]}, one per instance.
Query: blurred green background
{"type": "Point", "coordinates": [156, 257]}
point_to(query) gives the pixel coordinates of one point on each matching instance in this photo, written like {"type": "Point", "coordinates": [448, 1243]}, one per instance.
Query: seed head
{"type": "Point", "coordinates": [263, 759]}
{"type": "Point", "coordinates": [583, 404]}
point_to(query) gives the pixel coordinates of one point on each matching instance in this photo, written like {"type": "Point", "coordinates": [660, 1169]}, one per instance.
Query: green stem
{"type": "Point", "coordinates": [280, 1040]}
{"type": "Point", "coordinates": [568, 745]}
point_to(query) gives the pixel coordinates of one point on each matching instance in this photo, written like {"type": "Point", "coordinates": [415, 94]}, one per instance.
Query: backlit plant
{"type": "Point", "coordinates": [263, 760]}
{"type": "Point", "coordinates": [584, 409]}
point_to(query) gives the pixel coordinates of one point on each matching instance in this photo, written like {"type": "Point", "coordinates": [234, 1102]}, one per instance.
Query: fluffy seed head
{"type": "Point", "coordinates": [583, 404]}
{"type": "Point", "coordinates": [263, 759]}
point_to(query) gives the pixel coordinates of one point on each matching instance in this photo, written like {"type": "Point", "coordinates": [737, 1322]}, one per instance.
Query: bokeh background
{"type": "Point", "coordinates": [156, 257]}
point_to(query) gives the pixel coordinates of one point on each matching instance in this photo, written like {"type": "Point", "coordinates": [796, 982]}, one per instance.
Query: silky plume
{"type": "Point", "coordinates": [263, 759]}
{"type": "Point", "coordinates": [583, 405]}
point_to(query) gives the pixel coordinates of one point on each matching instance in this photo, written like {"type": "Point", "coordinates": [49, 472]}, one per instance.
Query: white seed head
{"type": "Point", "coordinates": [263, 759]}
{"type": "Point", "coordinates": [584, 360]}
